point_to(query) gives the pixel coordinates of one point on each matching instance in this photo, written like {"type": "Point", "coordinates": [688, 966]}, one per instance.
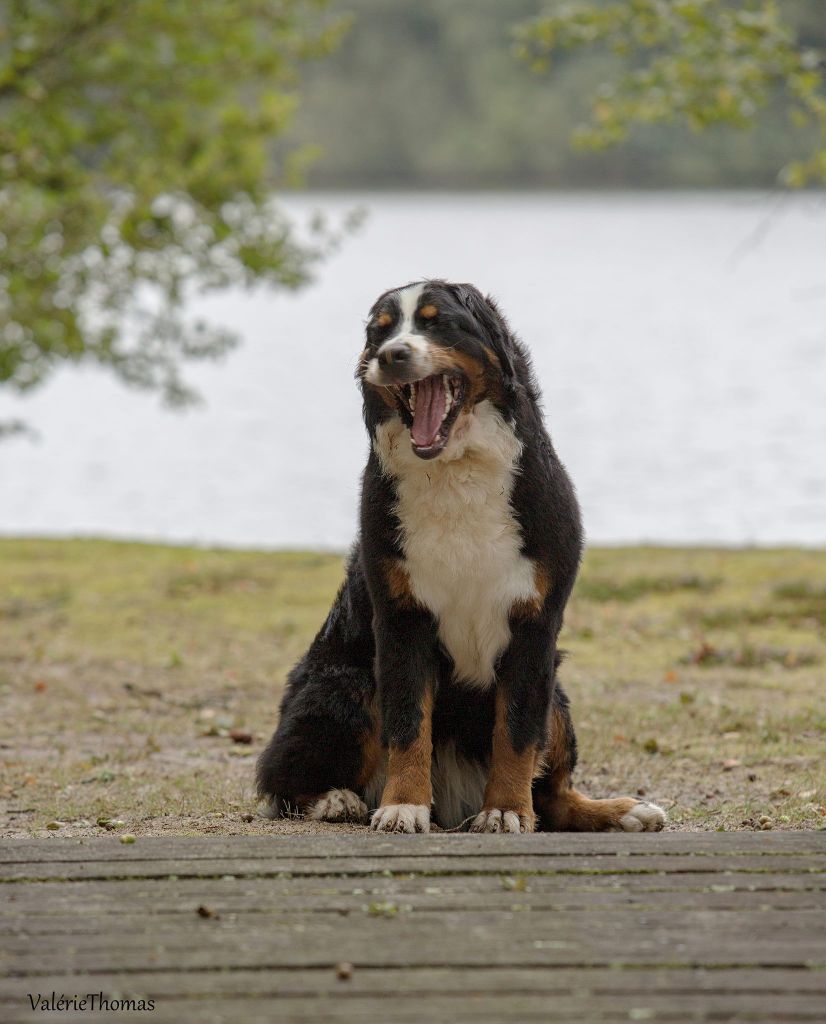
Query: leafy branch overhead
{"type": "Point", "coordinates": [702, 62]}
{"type": "Point", "coordinates": [137, 164]}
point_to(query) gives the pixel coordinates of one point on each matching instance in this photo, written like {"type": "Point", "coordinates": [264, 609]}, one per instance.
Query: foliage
{"type": "Point", "coordinates": [702, 62]}
{"type": "Point", "coordinates": [136, 167]}
{"type": "Point", "coordinates": [431, 95]}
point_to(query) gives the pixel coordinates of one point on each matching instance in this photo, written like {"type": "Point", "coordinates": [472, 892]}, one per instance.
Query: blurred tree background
{"type": "Point", "coordinates": [435, 95]}
{"type": "Point", "coordinates": [699, 63]}
{"type": "Point", "coordinates": [142, 143]}
{"type": "Point", "coordinates": [136, 166]}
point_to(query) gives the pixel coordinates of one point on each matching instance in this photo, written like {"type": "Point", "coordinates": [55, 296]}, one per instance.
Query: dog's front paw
{"type": "Point", "coordinates": [401, 818]}
{"type": "Point", "coordinates": [643, 817]}
{"type": "Point", "coordinates": [493, 820]}
{"type": "Point", "coordinates": [338, 805]}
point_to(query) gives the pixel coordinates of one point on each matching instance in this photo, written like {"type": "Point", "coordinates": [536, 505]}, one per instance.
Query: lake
{"type": "Point", "coordinates": [679, 339]}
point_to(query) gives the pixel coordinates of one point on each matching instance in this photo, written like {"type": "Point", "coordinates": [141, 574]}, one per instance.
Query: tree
{"type": "Point", "coordinates": [702, 62]}
{"type": "Point", "coordinates": [137, 167]}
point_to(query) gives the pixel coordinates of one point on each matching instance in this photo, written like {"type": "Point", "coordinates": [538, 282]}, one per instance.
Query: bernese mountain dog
{"type": "Point", "coordinates": [430, 693]}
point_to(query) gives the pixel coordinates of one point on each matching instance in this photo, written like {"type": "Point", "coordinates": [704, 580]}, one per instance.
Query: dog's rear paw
{"type": "Point", "coordinates": [401, 818]}
{"type": "Point", "coordinates": [494, 820]}
{"type": "Point", "coordinates": [338, 805]}
{"type": "Point", "coordinates": [643, 817]}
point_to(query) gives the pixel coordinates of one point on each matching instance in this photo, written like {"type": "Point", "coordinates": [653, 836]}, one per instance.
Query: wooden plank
{"type": "Point", "coordinates": [110, 896]}
{"type": "Point", "coordinates": [374, 846]}
{"type": "Point", "coordinates": [73, 917]}
{"type": "Point", "coordinates": [676, 982]}
{"type": "Point", "coordinates": [475, 1006]}
{"type": "Point", "coordinates": [663, 927]}
{"type": "Point", "coordinates": [696, 937]}
{"type": "Point", "coordinates": [433, 865]}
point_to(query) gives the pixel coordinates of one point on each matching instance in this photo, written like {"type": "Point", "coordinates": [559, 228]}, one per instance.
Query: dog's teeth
{"type": "Point", "coordinates": [448, 394]}
{"type": "Point", "coordinates": [412, 397]}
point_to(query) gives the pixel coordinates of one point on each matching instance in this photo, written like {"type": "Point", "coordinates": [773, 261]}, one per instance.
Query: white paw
{"type": "Point", "coordinates": [643, 817]}
{"type": "Point", "coordinates": [267, 809]}
{"type": "Point", "coordinates": [338, 805]}
{"type": "Point", "coordinates": [401, 818]}
{"type": "Point", "coordinates": [500, 821]}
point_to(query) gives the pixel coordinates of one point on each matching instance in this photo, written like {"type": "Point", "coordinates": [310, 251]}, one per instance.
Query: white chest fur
{"type": "Point", "coordinates": [460, 538]}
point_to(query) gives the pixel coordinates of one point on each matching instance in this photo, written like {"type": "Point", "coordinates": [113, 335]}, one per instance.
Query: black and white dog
{"type": "Point", "coordinates": [430, 692]}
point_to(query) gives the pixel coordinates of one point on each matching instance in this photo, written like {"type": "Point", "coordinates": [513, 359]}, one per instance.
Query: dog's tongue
{"type": "Point", "coordinates": [430, 411]}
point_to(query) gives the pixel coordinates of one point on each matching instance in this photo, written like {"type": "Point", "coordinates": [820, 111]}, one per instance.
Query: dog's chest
{"type": "Point", "coordinates": [460, 538]}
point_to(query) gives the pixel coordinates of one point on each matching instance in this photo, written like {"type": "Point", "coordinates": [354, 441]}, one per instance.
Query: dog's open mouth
{"type": "Point", "coordinates": [431, 406]}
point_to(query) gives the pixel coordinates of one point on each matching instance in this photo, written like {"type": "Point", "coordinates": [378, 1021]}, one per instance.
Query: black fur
{"type": "Point", "coordinates": [375, 656]}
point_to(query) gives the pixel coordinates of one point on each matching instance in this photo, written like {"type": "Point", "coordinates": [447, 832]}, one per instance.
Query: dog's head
{"type": "Point", "coordinates": [434, 350]}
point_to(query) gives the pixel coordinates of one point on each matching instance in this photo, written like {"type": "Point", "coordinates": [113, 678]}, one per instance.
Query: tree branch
{"type": "Point", "coordinates": [73, 34]}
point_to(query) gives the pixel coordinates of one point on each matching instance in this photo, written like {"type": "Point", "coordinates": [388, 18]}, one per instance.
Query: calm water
{"type": "Point", "coordinates": [680, 342]}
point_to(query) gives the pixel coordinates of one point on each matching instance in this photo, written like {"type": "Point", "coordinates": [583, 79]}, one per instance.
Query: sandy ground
{"type": "Point", "coordinates": [138, 683]}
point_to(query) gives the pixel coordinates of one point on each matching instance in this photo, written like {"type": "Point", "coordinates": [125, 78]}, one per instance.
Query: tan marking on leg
{"type": "Point", "coordinates": [542, 580]}
{"type": "Point", "coordinates": [372, 750]}
{"type": "Point", "coordinates": [508, 792]}
{"type": "Point", "coordinates": [571, 811]}
{"type": "Point", "coordinates": [408, 771]}
{"type": "Point", "coordinates": [564, 809]}
{"type": "Point", "coordinates": [556, 755]}
{"type": "Point", "coordinates": [398, 582]}
{"type": "Point", "coordinates": [529, 608]}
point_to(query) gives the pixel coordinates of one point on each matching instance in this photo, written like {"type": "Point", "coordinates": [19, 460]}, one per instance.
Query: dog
{"type": "Point", "coordinates": [430, 692]}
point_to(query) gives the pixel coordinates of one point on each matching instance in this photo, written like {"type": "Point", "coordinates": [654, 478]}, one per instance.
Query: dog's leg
{"type": "Point", "coordinates": [508, 806]}
{"type": "Point", "coordinates": [406, 672]}
{"type": "Point", "coordinates": [561, 808]}
{"type": "Point", "coordinates": [326, 749]}
{"type": "Point", "coordinates": [523, 676]}
{"type": "Point", "coordinates": [407, 795]}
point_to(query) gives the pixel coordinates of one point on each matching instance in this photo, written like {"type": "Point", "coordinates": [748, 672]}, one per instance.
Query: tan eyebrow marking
{"type": "Point", "coordinates": [428, 311]}
{"type": "Point", "coordinates": [383, 319]}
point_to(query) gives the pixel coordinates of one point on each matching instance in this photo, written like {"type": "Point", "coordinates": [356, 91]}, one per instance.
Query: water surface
{"type": "Point", "coordinates": [680, 342]}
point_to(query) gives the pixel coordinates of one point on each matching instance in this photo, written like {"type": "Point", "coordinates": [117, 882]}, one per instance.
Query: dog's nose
{"type": "Point", "coordinates": [391, 355]}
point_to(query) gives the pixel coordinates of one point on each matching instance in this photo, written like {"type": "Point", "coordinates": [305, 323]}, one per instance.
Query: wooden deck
{"type": "Point", "coordinates": [437, 928]}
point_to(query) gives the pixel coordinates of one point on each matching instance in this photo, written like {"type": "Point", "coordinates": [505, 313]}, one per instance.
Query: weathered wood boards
{"type": "Point", "coordinates": [451, 927]}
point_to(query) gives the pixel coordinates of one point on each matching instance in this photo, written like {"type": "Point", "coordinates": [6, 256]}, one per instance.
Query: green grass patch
{"type": "Point", "coordinates": [750, 656]}
{"type": "Point", "coordinates": [695, 677]}
{"type": "Point", "coordinates": [602, 590]}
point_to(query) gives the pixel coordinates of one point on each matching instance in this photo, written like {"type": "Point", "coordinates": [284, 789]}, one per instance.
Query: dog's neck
{"type": "Point", "coordinates": [482, 444]}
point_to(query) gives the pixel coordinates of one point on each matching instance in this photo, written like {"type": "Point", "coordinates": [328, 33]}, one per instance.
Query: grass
{"type": "Point", "coordinates": [696, 678]}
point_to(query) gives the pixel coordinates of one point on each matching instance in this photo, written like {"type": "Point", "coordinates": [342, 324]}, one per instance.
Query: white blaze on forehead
{"type": "Point", "coordinates": [422, 362]}
{"type": "Point", "coordinates": [408, 299]}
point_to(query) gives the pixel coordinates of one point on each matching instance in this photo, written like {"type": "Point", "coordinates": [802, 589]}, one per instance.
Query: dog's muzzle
{"type": "Point", "coordinates": [400, 361]}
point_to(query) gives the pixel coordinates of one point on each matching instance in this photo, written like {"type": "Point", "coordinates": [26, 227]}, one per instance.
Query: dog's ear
{"type": "Point", "coordinates": [492, 325]}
